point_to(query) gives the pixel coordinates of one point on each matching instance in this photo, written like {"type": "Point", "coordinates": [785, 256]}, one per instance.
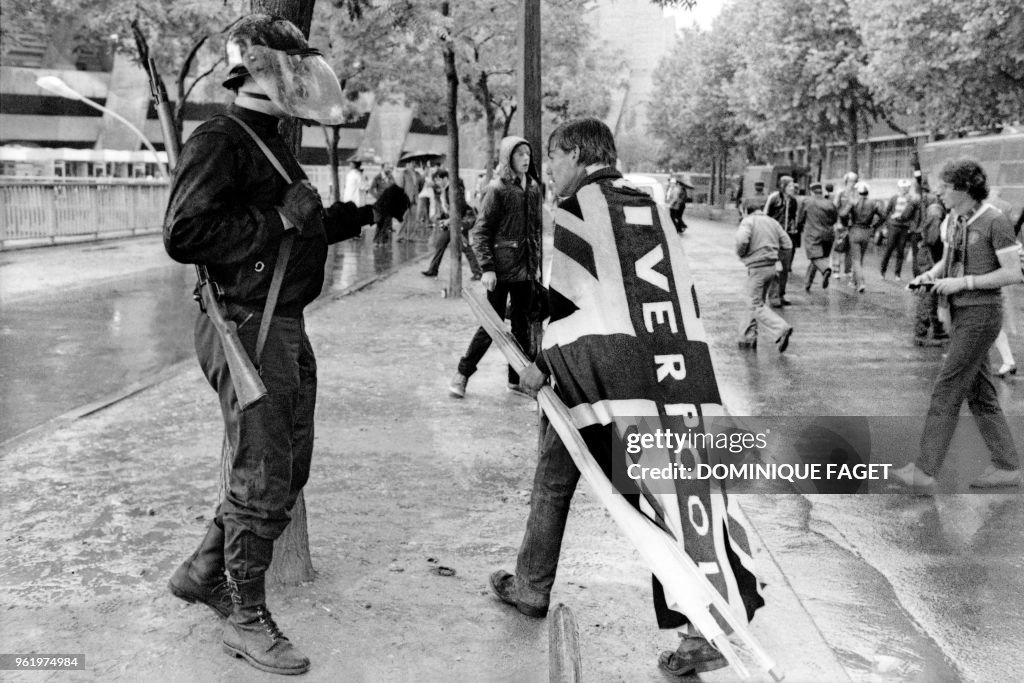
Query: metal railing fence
{"type": "Point", "coordinates": [51, 210]}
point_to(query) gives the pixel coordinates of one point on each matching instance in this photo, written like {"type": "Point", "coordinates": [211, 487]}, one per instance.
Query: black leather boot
{"type": "Point", "coordinates": [252, 634]}
{"type": "Point", "coordinates": [201, 577]}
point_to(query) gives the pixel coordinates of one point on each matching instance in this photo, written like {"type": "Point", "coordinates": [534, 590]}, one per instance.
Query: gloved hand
{"type": "Point", "coordinates": [301, 205]}
{"type": "Point", "coordinates": [392, 202]}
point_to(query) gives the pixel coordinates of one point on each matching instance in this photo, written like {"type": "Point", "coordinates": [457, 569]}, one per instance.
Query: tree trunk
{"type": "Point", "coordinates": [292, 563]}
{"type": "Point", "coordinates": [332, 133]}
{"type": "Point", "coordinates": [455, 197]}
{"type": "Point", "coordinates": [490, 124]}
{"type": "Point", "coordinates": [851, 139]}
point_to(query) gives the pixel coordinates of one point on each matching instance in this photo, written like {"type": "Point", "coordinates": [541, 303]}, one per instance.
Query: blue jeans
{"type": "Point", "coordinates": [965, 374]}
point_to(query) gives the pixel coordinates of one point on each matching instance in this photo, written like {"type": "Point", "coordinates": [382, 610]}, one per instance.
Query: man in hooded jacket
{"type": "Point", "coordinates": [506, 241]}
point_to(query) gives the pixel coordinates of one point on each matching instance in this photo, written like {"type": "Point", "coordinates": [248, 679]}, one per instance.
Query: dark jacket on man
{"type": "Point", "coordinates": [222, 214]}
{"type": "Point", "coordinates": [816, 220]}
{"type": "Point", "coordinates": [783, 208]}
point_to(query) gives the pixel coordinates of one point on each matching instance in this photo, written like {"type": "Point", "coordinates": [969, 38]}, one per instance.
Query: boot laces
{"type": "Point", "coordinates": [268, 624]}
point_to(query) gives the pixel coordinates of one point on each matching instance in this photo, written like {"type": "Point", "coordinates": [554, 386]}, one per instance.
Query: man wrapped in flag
{"type": "Point", "coordinates": [624, 344]}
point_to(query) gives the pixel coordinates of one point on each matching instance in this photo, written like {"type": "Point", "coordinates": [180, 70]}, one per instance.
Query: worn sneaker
{"type": "Point", "coordinates": [913, 477]}
{"type": "Point", "coordinates": [457, 387]}
{"type": "Point", "coordinates": [993, 477]}
{"type": "Point", "coordinates": [693, 656]}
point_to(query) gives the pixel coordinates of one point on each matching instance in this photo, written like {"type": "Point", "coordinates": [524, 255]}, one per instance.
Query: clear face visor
{"type": "Point", "coordinates": [301, 83]}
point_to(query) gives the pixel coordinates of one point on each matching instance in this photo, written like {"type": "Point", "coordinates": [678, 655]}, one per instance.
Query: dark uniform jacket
{"type": "Point", "coordinates": [816, 220]}
{"type": "Point", "coordinates": [506, 236]}
{"type": "Point", "coordinates": [222, 214]}
{"type": "Point", "coordinates": [863, 215]}
{"type": "Point", "coordinates": [783, 208]}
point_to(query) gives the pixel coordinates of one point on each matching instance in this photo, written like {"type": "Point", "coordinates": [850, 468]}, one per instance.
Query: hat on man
{"type": "Point", "coordinates": [861, 187]}
{"type": "Point", "coordinates": [816, 187]}
{"type": "Point", "coordinates": [903, 183]}
{"type": "Point", "coordinates": [759, 185]}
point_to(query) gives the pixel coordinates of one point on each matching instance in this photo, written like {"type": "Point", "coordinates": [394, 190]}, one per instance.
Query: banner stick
{"type": "Point", "coordinates": [685, 586]}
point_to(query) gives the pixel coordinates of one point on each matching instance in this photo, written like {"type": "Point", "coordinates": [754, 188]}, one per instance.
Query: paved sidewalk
{"type": "Point", "coordinates": [99, 512]}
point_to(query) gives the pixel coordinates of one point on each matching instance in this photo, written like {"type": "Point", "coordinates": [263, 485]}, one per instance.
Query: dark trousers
{"type": "Point", "coordinates": [554, 484]}
{"type": "Point", "coordinates": [383, 232]}
{"type": "Point", "coordinates": [914, 239]}
{"type": "Point", "coordinates": [926, 313]}
{"type": "Point", "coordinates": [677, 218]}
{"type": "Point", "coordinates": [518, 298]}
{"type": "Point", "coordinates": [270, 444]}
{"type": "Point", "coordinates": [897, 242]}
{"type": "Point", "coordinates": [965, 375]}
{"type": "Point", "coordinates": [442, 240]}
{"type": "Point", "coordinates": [778, 288]}
{"type": "Point", "coordinates": [816, 265]}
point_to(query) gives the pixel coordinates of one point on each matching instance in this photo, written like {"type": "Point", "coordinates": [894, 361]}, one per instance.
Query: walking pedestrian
{"type": "Point", "coordinates": [410, 182]}
{"type": "Point", "coordinates": [926, 315]}
{"type": "Point", "coordinates": [675, 198]}
{"type": "Point", "coordinates": [862, 216]}
{"type": "Point", "coordinates": [230, 210]}
{"type": "Point", "coordinates": [902, 214]}
{"type": "Point", "coordinates": [593, 294]}
{"type": "Point", "coordinates": [354, 184]}
{"type": "Point", "coordinates": [506, 241]}
{"type": "Point", "coordinates": [840, 261]}
{"type": "Point", "coordinates": [782, 207]}
{"type": "Point", "coordinates": [980, 258]}
{"type": "Point", "coordinates": [443, 238]}
{"type": "Point", "coordinates": [762, 243]}
{"type": "Point", "coordinates": [381, 182]}
{"type": "Point", "coordinates": [816, 222]}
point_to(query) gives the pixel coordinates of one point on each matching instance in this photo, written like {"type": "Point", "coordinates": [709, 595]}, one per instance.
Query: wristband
{"type": "Point", "coordinates": [970, 282]}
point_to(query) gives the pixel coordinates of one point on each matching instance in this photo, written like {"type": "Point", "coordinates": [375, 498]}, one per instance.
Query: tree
{"type": "Point", "coordinates": [953, 64]}
{"type": "Point", "coordinates": [803, 74]}
{"type": "Point", "coordinates": [388, 42]}
{"type": "Point", "coordinates": [177, 32]}
{"type": "Point", "coordinates": [694, 114]}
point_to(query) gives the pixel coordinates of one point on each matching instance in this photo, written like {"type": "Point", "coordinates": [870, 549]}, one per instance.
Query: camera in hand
{"type": "Point", "coordinates": [921, 285]}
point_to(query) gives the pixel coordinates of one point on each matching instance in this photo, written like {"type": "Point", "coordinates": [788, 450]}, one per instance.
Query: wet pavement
{"type": "Point", "coordinates": [79, 323]}
{"type": "Point", "coordinates": [864, 588]}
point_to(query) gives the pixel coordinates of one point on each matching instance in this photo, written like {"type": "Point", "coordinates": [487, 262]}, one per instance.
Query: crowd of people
{"type": "Point", "coordinates": [241, 208]}
{"type": "Point", "coordinates": [965, 251]}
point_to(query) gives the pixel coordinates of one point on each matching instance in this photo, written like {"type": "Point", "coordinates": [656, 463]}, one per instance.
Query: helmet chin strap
{"type": "Point", "coordinates": [258, 101]}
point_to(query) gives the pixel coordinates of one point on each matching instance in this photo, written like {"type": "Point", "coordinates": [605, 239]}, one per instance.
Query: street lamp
{"type": "Point", "coordinates": [59, 87]}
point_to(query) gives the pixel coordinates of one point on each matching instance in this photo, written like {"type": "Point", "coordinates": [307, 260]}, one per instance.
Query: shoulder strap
{"type": "Point", "coordinates": [284, 251]}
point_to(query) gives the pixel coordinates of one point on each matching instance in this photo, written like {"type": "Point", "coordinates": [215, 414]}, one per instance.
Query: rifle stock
{"type": "Point", "coordinates": [249, 388]}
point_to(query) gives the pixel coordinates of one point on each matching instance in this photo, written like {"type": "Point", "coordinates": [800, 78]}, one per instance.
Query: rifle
{"type": "Point", "coordinates": [249, 388]}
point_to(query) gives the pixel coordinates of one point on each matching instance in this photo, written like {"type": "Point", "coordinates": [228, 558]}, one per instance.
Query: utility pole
{"type": "Point", "coordinates": [528, 90]}
{"type": "Point", "coordinates": [528, 114]}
